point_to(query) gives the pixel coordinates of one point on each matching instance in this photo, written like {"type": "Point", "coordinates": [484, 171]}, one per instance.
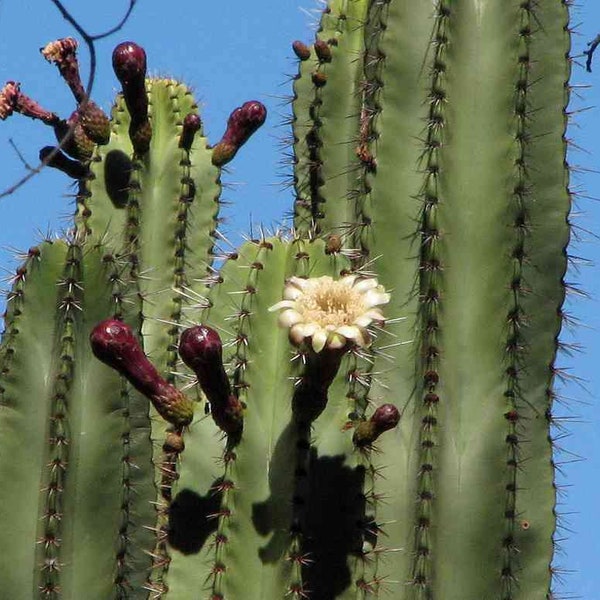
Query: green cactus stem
{"type": "Point", "coordinates": [380, 378]}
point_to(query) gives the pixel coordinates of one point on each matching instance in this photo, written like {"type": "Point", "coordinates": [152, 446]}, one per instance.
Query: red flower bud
{"type": "Point", "coordinates": [301, 50]}
{"type": "Point", "coordinates": [114, 343]}
{"type": "Point", "coordinates": [191, 125]}
{"type": "Point", "coordinates": [201, 350]}
{"type": "Point", "coordinates": [385, 417]}
{"type": "Point", "coordinates": [242, 123]}
{"type": "Point", "coordinates": [129, 63]}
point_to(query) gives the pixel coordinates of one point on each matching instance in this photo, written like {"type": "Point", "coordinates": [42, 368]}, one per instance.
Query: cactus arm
{"type": "Point", "coordinates": [27, 364]}
{"type": "Point", "coordinates": [112, 446]}
{"type": "Point", "coordinates": [548, 205]}
{"type": "Point", "coordinates": [85, 433]}
{"type": "Point", "coordinates": [326, 129]}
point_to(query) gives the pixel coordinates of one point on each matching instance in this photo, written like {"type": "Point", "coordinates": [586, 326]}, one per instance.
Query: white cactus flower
{"type": "Point", "coordinates": [332, 313]}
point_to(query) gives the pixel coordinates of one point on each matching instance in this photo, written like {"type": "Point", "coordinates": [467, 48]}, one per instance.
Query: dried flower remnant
{"type": "Point", "coordinates": [63, 53]}
{"type": "Point", "coordinates": [331, 313]}
{"type": "Point", "coordinates": [13, 100]}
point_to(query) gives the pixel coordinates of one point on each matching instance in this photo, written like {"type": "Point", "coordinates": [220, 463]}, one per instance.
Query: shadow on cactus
{"type": "Point", "coordinates": [358, 406]}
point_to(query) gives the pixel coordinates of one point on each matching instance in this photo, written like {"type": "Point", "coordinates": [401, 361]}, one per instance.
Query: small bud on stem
{"type": "Point", "coordinates": [191, 125]}
{"type": "Point", "coordinates": [129, 64]}
{"type": "Point", "coordinates": [114, 343]}
{"type": "Point", "coordinates": [301, 50]}
{"type": "Point", "coordinates": [386, 417]}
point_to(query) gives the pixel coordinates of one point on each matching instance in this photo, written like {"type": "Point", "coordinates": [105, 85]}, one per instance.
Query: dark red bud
{"type": "Point", "coordinates": [385, 417]}
{"type": "Point", "coordinates": [129, 63]}
{"type": "Point", "coordinates": [201, 349]}
{"type": "Point", "coordinates": [242, 123]}
{"type": "Point", "coordinates": [323, 51]}
{"type": "Point", "coordinates": [60, 161]}
{"type": "Point", "coordinates": [114, 343]}
{"type": "Point", "coordinates": [319, 78]}
{"type": "Point", "coordinates": [301, 50]}
{"type": "Point", "coordinates": [191, 125]}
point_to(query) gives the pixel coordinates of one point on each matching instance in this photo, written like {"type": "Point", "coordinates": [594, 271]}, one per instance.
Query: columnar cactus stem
{"type": "Point", "coordinates": [425, 267]}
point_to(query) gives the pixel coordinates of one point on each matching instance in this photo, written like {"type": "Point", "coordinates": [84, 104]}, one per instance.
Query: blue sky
{"type": "Point", "coordinates": [237, 50]}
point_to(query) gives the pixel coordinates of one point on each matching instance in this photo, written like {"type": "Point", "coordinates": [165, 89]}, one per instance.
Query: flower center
{"type": "Point", "coordinates": [331, 303]}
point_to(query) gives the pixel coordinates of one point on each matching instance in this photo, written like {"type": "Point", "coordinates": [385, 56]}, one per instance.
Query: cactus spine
{"type": "Point", "coordinates": [402, 450]}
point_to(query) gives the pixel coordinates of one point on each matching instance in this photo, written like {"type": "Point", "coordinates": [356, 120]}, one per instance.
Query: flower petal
{"type": "Point", "coordinates": [348, 280]}
{"type": "Point", "coordinates": [289, 317]}
{"type": "Point", "coordinates": [362, 285]}
{"type": "Point", "coordinates": [350, 332]}
{"type": "Point", "coordinates": [302, 330]}
{"type": "Point", "coordinates": [374, 315]}
{"type": "Point", "coordinates": [336, 341]}
{"type": "Point", "coordinates": [282, 304]}
{"type": "Point", "coordinates": [319, 339]}
{"type": "Point", "coordinates": [291, 292]}
{"type": "Point", "coordinates": [375, 297]}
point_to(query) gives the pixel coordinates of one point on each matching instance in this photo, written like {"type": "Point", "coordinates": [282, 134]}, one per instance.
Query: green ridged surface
{"type": "Point", "coordinates": [258, 501]}
{"type": "Point", "coordinates": [83, 427]}
{"type": "Point", "coordinates": [436, 148]}
{"type": "Point", "coordinates": [327, 128]}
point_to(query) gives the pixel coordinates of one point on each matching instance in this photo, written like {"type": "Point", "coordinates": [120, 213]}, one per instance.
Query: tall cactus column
{"type": "Point", "coordinates": [418, 295]}
{"type": "Point", "coordinates": [460, 219]}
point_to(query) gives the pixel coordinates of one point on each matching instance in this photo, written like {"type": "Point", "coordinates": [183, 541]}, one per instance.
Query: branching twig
{"type": "Point", "coordinates": [89, 41]}
{"type": "Point", "coordinates": [590, 52]}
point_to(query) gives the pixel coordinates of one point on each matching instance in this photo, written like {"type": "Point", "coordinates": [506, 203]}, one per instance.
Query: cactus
{"type": "Point", "coordinates": [379, 375]}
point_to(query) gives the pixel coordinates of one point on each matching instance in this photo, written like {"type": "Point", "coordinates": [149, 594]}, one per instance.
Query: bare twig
{"type": "Point", "coordinates": [89, 41]}
{"type": "Point", "coordinates": [590, 52]}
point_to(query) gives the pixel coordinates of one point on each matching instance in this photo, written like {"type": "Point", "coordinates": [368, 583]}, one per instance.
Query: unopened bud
{"type": "Point", "coordinates": [201, 349]}
{"type": "Point", "coordinates": [114, 343]}
{"type": "Point", "coordinates": [242, 123]}
{"type": "Point", "coordinates": [385, 417]}
{"type": "Point", "coordinates": [129, 64]}
{"type": "Point", "coordinates": [191, 125]}
{"type": "Point", "coordinates": [323, 51]}
{"type": "Point", "coordinates": [301, 50]}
